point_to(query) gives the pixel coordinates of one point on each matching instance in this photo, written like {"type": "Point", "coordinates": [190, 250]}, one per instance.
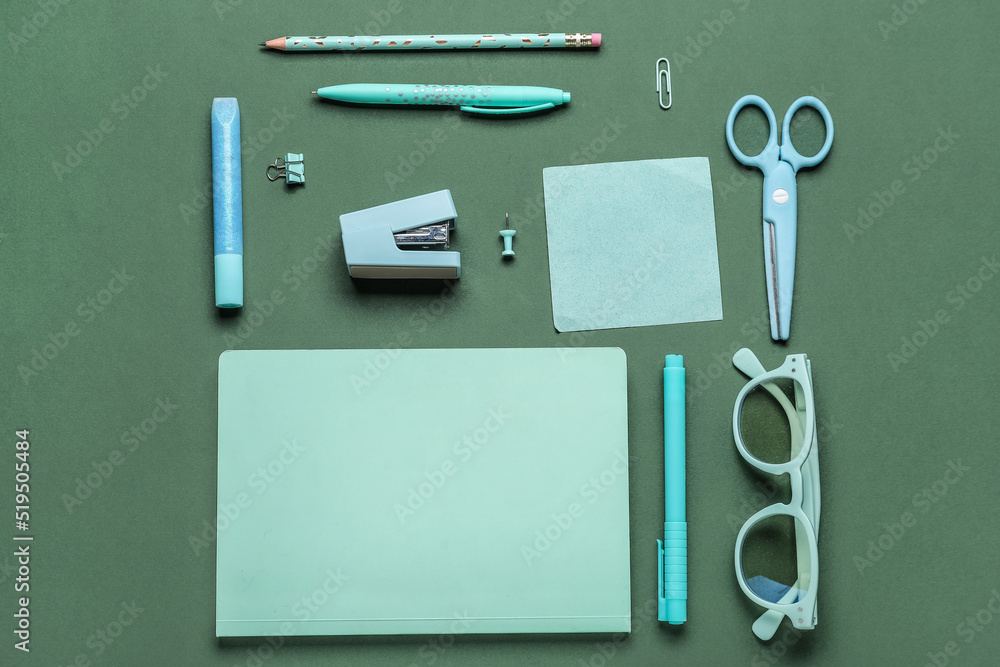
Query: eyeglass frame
{"type": "Point", "coordinates": [803, 471]}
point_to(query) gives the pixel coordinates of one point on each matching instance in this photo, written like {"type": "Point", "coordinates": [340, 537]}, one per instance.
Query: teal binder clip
{"type": "Point", "coordinates": [292, 169]}
{"type": "Point", "coordinates": [401, 239]}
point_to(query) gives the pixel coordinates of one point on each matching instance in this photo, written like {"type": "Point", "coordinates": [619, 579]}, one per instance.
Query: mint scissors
{"type": "Point", "coordinates": [779, 165]}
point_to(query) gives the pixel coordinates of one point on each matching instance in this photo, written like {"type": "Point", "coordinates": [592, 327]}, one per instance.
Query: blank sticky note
{"type": "Point", "coordinates": [632, 244]}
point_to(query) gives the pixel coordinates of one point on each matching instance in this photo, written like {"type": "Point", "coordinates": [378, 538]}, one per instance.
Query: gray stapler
{"type": "Point", "coordinates": [398, 240]}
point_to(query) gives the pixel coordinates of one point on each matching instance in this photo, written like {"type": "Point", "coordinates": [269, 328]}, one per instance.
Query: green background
{"type": "Point", "coordinates": [135, 203]}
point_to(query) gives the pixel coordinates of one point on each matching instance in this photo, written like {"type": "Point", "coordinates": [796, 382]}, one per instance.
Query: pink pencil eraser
{"type": "Point", "coordinates": [595, 39]}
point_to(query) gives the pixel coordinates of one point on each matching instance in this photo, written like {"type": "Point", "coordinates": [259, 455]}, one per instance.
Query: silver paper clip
{"type": "Point", "coordinates": [663, 77]}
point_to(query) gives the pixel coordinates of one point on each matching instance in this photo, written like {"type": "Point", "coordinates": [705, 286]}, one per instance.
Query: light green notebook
{"type": "Point", "coordinates": [422, 491]}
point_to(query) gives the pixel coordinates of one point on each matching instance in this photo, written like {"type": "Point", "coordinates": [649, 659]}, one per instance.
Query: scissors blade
{"type": "Point", "coordinates": [780, 204]}
{"type": "Point", "coordinates": [776, 309]}
{"type": "Point", "coordinates": [771, 281]}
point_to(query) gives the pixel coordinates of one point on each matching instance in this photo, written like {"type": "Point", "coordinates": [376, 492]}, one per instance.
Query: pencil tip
{"type": "Point", "coordinates": [262, 44]}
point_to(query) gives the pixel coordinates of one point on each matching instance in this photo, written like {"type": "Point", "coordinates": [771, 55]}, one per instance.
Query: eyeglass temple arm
{"type": "Point", "coordinates": [767, 624]}
{"type": "Point", "coordinates": [810, 470]}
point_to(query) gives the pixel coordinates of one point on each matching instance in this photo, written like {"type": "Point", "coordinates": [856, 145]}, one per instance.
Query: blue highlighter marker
{"type": "Point", "coordinates": [227, 202]}
{"type": "Point", "coordinates": [672, 550]}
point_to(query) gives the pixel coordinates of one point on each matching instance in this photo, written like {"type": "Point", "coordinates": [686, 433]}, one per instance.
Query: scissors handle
{"type": "Point", "coordinates": [788, 152]}
{"type": "Point", "coordinates": [770, 155]}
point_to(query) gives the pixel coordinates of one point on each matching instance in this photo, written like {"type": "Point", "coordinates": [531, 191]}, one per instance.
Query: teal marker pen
{"type": "Point", "coordinates": [672, 550]}
{"type": "Point", "coordinates": [474, 98]}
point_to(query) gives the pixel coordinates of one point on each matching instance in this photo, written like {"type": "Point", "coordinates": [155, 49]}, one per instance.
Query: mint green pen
{"type": "Point", "coordinates": [472, 98]}
{"type": "Point", "coordinates": [672, 551]}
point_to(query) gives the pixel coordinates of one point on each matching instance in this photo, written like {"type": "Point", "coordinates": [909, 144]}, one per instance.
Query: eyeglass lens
{"type": "Point", "coordinates": [772, 420]}
{"type": "Point", "coordinates": [775, 559]}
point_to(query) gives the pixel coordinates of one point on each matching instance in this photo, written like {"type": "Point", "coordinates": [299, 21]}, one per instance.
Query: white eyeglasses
{"type": "Point", "coordinates": [774, 425]}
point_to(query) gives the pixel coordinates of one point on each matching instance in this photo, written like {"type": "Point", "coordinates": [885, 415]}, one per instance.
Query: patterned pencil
{"type": "Point", "coordinates": [542, 40]}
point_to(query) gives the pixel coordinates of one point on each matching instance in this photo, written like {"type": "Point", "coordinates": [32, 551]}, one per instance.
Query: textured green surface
{"type": "Point", "coordinates": [135, 204]}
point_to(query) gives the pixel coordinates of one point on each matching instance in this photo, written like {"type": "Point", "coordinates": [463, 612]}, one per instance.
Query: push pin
{"type": "Point", "coordinates": [508, 237]}
{"type": "Point", "coordinates": [292, 169]}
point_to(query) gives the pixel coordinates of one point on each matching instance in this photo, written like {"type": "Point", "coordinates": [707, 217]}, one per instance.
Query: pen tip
{"type": "Point", "coordinates": [314, 92]}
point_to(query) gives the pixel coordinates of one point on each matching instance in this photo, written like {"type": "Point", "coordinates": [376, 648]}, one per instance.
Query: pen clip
{"type": "Point", "coordinates": [508, 110]}
{"type": "Point", "coordinates": [661, 606]}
